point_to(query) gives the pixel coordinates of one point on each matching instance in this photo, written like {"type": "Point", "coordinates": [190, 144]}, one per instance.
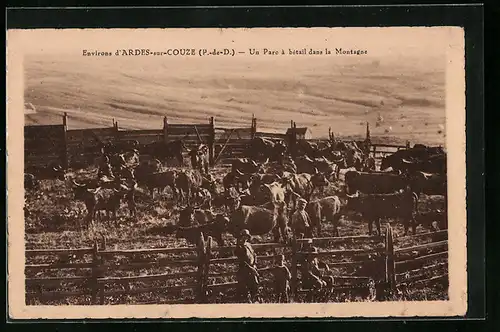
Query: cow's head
{"type": "Point", "coordinates": [81, 191]}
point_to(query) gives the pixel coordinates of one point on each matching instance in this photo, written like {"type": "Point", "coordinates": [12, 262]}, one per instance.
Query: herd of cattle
{"type": "Point", "coordinates": [260, 192]}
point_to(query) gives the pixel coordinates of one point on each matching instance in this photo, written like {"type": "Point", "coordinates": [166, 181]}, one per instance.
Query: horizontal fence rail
{"type": "Point", "coordinates": [201, 274]}
{"type": "Point", "coordinates": [55, 144]}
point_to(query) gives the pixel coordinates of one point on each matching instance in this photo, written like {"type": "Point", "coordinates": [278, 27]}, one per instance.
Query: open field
{"type": "Point", "coordinates": [407, 93]}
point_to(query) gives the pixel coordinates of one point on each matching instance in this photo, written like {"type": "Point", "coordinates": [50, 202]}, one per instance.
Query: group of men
{"type": "Point", "coordinates": [248, 275]}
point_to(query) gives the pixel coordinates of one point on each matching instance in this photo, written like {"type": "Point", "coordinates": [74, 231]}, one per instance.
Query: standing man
{"type": "Point", "coordinates": [282, 277]}
{"type": "Point", "coordinates": [301, 222]}
{"type": "Point", "coordinates": [248, 276]}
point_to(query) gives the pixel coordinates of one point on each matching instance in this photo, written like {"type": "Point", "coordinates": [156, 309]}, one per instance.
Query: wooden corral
{"type": "Point", "coordinates": [204, 273]}
{"type": "Point", "coordinates": [55, 144]}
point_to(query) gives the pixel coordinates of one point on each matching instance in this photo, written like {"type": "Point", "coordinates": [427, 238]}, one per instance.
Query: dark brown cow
{"type": "Point", "coordinates": [100, 199]}
{"type": "Point", "coordinates": [328, 208]}
{"type": "Point", "coordinates": [236, 179]}
{"type": "Point", "coordinates": [195, 222]}
{"type": "Point", "coordinates": [264, 148]}
{"type": "Point", "coordinates": [374, 183]}
{"type": "Point", "coordinates": [163, 151]}
{"type": "Point", "coordinates": [258, 220]}
{"type": "Point", "coordinates": [159, 181]}
{"type": "Point", "coordinates": [429, 184]}
{"type": "Point", "coordinates": [433, 220]}
{"type": "Point", "coordinates": [403, 205]}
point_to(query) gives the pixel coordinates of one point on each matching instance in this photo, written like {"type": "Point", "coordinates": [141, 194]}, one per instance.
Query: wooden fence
{"type": "Point", "coordinates": [55, 144]}
{"type": "Point", "coordinates": [205, 273]}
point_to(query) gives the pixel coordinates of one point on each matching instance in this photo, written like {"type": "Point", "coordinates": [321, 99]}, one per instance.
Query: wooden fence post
{"type": "Point", "coordinates": [253, 127]}
{"type": "Point", "coordinates": [117, 131]}
{"type": "Point", "coordinates": [211, 142]}
{"type": "Point", "coordinates": [165, 130]}
{"type": "Point", "coordinates": [292, 140]}
{"type": "Point", "coordinates": [64, 150]}
{"type": "Point", "coordinates": [95, 273]}
{"type": "Point", "coordinates": [208, 256]}
{"type": "Point", "coordinates": [201, 269]}
{"type": "Point", "coordinates": [390, 274]}
{"type": "Point", "coordinates": [293, 282]}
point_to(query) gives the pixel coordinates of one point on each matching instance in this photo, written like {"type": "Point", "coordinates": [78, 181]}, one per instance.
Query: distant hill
{"type": "Point", "coordinates": [400, 98]}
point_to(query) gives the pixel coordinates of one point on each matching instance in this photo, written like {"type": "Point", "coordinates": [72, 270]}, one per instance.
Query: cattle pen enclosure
{"type": "Point", "coordinates": [56, 144]}
{"type": "Point", "coordinates": [373, 267]}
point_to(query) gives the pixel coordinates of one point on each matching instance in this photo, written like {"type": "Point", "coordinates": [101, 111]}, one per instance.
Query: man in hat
{"type": "Point", "coordinates": [282, 277]}
{"type": "Point", "coordinates": [301, 222]}
{"type": "Point", "coordinates": [248, 276]}
{"type": "Point", "coordinates": [311, 274]}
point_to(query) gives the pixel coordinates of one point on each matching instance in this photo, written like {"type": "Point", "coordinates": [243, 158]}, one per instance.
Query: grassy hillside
{"type": "Point", "coordinates": [341, 92]}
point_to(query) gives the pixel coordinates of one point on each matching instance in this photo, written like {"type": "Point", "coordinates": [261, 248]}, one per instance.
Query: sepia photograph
{"type": "Point", "coordinates": [227, 173]}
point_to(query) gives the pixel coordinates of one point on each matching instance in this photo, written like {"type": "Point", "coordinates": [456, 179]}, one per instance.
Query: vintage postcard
{"type": "Point", "coordinates": [232, 173]}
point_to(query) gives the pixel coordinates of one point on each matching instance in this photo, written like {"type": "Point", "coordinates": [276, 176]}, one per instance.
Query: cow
{"type": "Point", "coordinates": [323, 165]}
{"type": "Point", "coordinates": [302, 185]}
{"type": "Point", "coordinates": [158, 180]}
{"type": "Point", "coordinates": [248, 166]}
{"type": "Point", "coordinates": [237, 179]}
{"type": "Point", "coordinates": [354, 158]}
{"type": "Point", "coordinates": [30, 182]}
{"type": "Point", "coordinates": [164, 151]}
{"type": "Point", "coordinates": [264, 148]}
{"type": "Point", "coordinates": [435, 164]}
{"type": "Point", "coordinates": [369, 165]}
{"type": "Point", "coordinates": [257, 180]}
{"type": "Point", "coordinates": [188, 182]}
{"type": "Point", "coordinates": [195, 222]}
{"type": "Point", "coordinates": [433, 220]}
{"type": "Point", "coordinates": [100, 199]}
{"type": "Point", "coordinates": [305, 164]}
{"type": "Point", "coordinates": [429, 184]}
{"type": "Point", "coordinates": [200, 158]}
{"type": "Point", "coordinates": [329, 208]}
{"type": "Point", "coordinates": [373, 207]}
{"type": "Point", "coordinates": [374, 183]}
{"type": "Point", "coordinates": [258, 221]}
{"type": "Point", "coordinates": [150, 166]}
{"type": "Point", "coordinates": [306, 148]}
{"type": "Point", "coordinates": [330, 169]}
{"type": "Point", "coordinates": [416, 159]}
{"type": "Point", "coordinates": [51, 172]}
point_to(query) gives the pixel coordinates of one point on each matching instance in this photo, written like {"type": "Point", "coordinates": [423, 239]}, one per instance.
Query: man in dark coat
{"type": "Point", "coordinates": [301, 222]}
{"type": "Point", "coordinates": [282, 277]}
{"type": "Point", "coordinates": [248, 275]}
